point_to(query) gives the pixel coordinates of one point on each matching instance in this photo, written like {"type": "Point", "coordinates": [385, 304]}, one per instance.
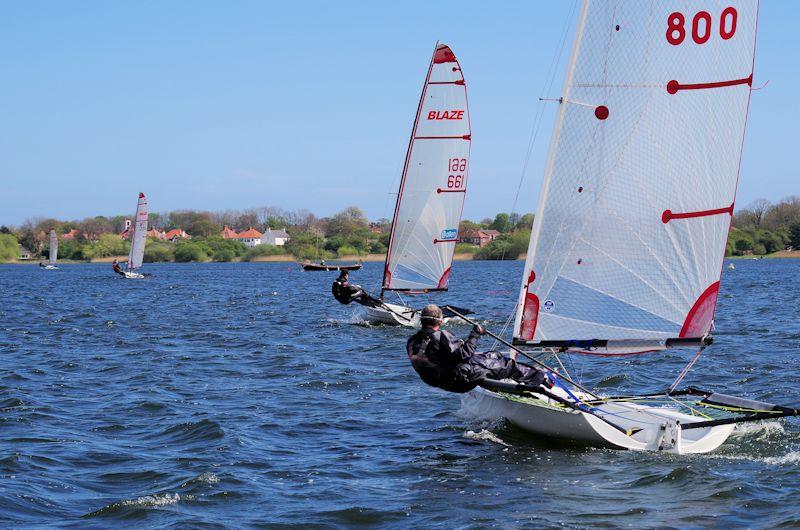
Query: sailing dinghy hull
{"type": "Point", "coordinates": [398, 316]}
{"type": "Point", "coordinates": [660, 426]}
{"type": "Point", "coordinates": [50, 268]}
{"type": "Point", "coordinates": [133, 275]}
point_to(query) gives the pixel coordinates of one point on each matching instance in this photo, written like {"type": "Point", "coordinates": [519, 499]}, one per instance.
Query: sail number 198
{"type": "Point", "coordinates": [456, 168]}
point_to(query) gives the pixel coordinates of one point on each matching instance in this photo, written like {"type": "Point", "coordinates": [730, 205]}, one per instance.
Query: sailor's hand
{"type": "Point", "coordinates": [547, 382]}
{"type": "Point", "coordinates": [477, 328]}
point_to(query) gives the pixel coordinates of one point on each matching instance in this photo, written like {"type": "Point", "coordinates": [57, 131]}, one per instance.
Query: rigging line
{"type": "Point", "coordinates": [539, 115]}
{"type": "Point", "coordinates": [686, 369]}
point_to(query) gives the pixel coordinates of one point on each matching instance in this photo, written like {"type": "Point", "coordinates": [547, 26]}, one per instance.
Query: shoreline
{"type": "Point", "coordinates": [369, 258]}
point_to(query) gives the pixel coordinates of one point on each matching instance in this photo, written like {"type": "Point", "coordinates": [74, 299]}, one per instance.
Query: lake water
{"type": "Point", "coordinates": [242, 394]}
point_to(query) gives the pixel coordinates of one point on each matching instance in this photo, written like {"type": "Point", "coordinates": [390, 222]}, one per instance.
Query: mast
{"type": "Point", "coordinates": [405, 171]}
{"type": "Point", "coordinates": [433, 185]}
{"type": "Point", "coordinates": [641, 177]}
{"type": "Point", "coordinates": [528, 301]}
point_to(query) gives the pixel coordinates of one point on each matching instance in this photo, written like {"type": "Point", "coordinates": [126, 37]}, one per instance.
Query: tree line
{"type": "Point", "coordinates": [760, 228]}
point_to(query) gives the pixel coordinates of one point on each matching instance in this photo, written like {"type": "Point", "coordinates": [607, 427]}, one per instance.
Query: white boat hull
{"type": "Point", "coordinates": [50, 268]}
{"type": "Point", "coordinates": [660, 426]}
{"type": "Point", "coordinates": [133, 275]}
{"type": "Point", "coordinates": [398, 316]}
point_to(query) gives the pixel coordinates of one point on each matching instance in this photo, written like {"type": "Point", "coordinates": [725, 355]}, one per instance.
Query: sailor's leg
{"type": "Point", "coordinates": [497, 366]}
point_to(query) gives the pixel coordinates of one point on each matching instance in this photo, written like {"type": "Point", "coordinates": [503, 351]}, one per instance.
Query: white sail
{"type": "Point", "coordinates": [434, 182]}
{"type": "Point", "coordinates": [139, 236]}
{"type": "Point", "coordinates": [53, 247]}
{"type": "Point", "coordinates": [638, 193]}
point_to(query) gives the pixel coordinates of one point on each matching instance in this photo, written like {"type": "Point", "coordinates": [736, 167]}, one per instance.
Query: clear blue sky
{"type": "Point", "coordinates": [216, 105]}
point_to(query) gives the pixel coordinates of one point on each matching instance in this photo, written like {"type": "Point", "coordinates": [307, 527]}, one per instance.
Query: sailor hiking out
{"type": "Point", "coordinates": [445, 362]}
{"type": "Point", "coordinates": [346, 292]}
{"type": "Point", "coordinates": [117, 268]}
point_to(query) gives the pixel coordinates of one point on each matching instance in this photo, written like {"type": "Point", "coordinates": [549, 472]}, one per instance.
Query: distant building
{"type": "Point", "coordinates": [250, 237]}
{"type": "Point", "coordinates": [71, 235]}
{"type": "Point", "coordinates": [176, 234]}
{"type": "Point", "coordinates": [276, 238]}
{"type": "Point", "coordinates": [479, 237]}
{"type": "Point", "coordinates": [228, 233]}
{"type": "Point", "coordinates": [155, 233]}
{"type": "Point", "coordinates": [24, 253]}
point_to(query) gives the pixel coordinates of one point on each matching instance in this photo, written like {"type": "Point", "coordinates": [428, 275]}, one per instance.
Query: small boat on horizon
{"type": "Point", "coordinates": [325, 267]}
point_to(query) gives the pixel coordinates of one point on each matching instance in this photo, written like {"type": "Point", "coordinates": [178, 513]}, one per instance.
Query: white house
{"type": "Point", "coordinates": [276, 238]}
{"type": "Point", "coordinates": [250, 237]}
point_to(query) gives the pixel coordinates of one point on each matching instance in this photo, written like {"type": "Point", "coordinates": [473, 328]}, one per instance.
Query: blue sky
{"type": "Point", "coordinates": [216, 105]}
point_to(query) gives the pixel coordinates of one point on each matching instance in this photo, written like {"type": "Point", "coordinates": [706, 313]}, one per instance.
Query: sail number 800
{"type": "Point", "coordinates": [456, 165]}
{"type": "Point", "coordinates": [701, 26]}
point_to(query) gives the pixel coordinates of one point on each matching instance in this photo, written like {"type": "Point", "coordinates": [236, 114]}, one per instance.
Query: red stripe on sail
{"type": "Point", "coordinates": [444, 279]}
{"type": "Point", "coordinates": [673, 87]}
{"type": "Point", "coordinates": [465, 137]}
{"type": "Point", "coordinates": [701, 315]}
{"type": "Point", "coordinates": [443, 54]}
{"type": "Point", "coordinates": [669, 215]}
{"type": "Point", "coordinates": [530, 316]}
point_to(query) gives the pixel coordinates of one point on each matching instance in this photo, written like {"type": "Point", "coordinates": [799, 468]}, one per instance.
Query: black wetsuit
{"type": "Point", "coordinates": [346, 292]}
{"type": "Point", "coordinates": [446, 362]}
{"type": "Point", "coordinates": [118, 269]}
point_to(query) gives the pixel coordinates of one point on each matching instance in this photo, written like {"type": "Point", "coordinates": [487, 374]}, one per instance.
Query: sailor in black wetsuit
{"type": "Point", "coordinates": [445, 362]}
{"type": "Point", "coordinates": [346, 292]}
{"type": "Point", "coordinates": [117, 268]}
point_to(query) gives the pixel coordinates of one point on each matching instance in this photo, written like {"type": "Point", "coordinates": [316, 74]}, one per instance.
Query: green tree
{"type": "Point", "coordinates": [349, 222]}
{"type": "Point", "coordinates": [186, 251]}
{"type": "Point", "coordinates": [794, 235]}
{"type": "Point", "coordinates": [203, 227]}
{"type": "Point", "coordinates": [9, 248]}
{"type": "Point", "coordinates": [501, 223]}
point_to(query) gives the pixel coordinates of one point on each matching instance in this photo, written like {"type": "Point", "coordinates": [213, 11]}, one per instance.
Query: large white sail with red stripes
{"type": "Point", "coordinates": [434, 182]}
{"type": "Point", "coordinates": [638, 193]}
{"type": "Point", "coordinates": [139, 236]}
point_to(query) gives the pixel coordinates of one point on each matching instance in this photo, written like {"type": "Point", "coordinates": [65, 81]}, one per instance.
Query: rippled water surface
{"type": "Point", "coordinates": [241, 394]}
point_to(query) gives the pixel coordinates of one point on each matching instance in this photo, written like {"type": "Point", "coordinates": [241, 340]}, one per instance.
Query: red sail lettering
{"type": "Point", "coordinates": [446, 115]}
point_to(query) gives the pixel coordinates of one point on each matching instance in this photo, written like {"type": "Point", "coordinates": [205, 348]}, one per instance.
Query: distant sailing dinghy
{"type": "Point", "coordinates": [53, 252]}
{"type": "Point", "coordinates": [432, 191]}
{"type": "Point", "coordinates": [138, 240]}
{"type": "Point", "coordinates": [629, 238]}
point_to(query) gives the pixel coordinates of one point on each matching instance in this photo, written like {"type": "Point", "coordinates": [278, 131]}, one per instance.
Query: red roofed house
{"type": "Point", "coordinates": [155, 233]}
{"type": "Point", "coordinates": [250, 237]}
{"type": "Point", "coordinates": [175, 234]}
{"type": "Point", "coordinates": [72, 234]}
{"type": "Point", "coordinates": [479, 237]}
{"type": "Point", "coordinates": [227, 233]}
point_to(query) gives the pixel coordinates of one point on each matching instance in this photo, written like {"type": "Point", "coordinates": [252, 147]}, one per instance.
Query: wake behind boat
{"type": "Point", "coordinates": [431, 195]}
{"type": "Point", "coordinates": [628, 243]}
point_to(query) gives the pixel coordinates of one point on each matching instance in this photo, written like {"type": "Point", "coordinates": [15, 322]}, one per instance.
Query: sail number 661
{"type": "Point", "coordinates": [701, 26]}
{"type": "Point", "coordinates": [456, 165]}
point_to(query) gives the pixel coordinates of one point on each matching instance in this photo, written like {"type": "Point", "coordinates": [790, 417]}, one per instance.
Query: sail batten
{"type": "Point", "coordinates": [434, 183]}
{"type": "Point", "coordinates": [639, 188]}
